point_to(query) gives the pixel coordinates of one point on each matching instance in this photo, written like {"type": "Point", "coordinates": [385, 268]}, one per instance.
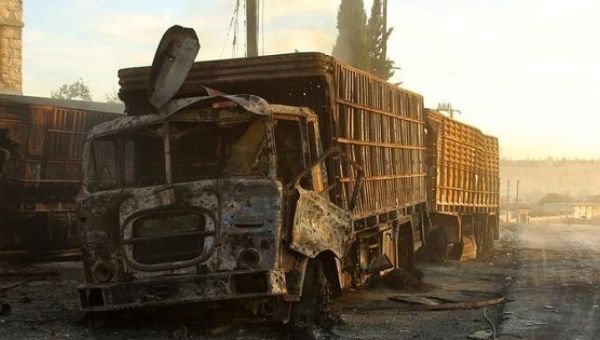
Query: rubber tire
{"type": "Point", "coordinates": [438, 245]}
{"type": "Point", "coordinates": [457, 251]}
{"type": "Point", "coordinates": [485, 241]}
{"type": "Point", "coordinates": [314, 305]}
{"type": "Point", "coordinates": [489, 240]}
{"type": "Point", "coordinates": [406, 250]}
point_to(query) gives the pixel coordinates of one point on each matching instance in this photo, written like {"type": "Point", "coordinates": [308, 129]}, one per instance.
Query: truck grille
{"type": "Point", "coordinates": [169, 237]}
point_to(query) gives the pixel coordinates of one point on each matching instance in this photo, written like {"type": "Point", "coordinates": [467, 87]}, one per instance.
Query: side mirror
{"type": "Point", "coordinates": [172, 62]}
{"type": "Point", "coordinates": [332, 152]}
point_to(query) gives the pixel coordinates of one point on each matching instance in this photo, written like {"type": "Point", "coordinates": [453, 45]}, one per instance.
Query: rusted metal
{"type": "Point", "coordinates": [234, 251]}
{"type": "Point", "coordinates": [464, 185]}
{"type": "Point", "coordinates": [320, 226]}
{"type": "Point", "coordinates": [172, 61]}
{"type": "Point", "coordinates": [464, 165]}
{"type": "Point", "coordinates": [379, 125]}
{"type": "Point", "coordinates": [252, 234]}
{"type": "Point", "coordinates": [376, 123]}
{"type": "Point", "coordinates": [42, 176]}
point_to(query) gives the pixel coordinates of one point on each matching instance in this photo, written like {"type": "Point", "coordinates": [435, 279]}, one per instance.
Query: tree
{"type": "Point", "coordinates": [75, 90]}
{"type": "Point", "coordinates": [555, 198]}
{"type": "Point", "coordinates": [377, 38]}
{"type": "Point", "coordinates": [351, 43]}
{"type": "Point", "coordinates": [112, 97]}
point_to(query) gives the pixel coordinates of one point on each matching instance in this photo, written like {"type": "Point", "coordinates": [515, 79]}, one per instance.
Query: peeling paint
{"type": "Point", "coordinates": [319, 226]}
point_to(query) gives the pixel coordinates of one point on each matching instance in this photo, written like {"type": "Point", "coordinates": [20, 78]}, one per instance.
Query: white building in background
{"type": "Point", "coordinates": [585, 211]}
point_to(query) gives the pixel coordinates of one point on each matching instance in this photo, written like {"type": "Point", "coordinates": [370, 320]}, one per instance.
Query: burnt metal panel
{"type": "Point", "coordinates": [381, 127]}
{"type": "Point", "coordinates": [42, 177]}
{"type": "Point", "coordinates": [464, 167]}
{"type": "Point", "coordinates": [319, 226]}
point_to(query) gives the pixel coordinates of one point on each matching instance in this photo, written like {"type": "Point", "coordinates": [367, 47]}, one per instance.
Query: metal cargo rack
{"type": "Point", "coordinates": [40, 181]}
{"type": "Point", "coordinates": [464, 167]}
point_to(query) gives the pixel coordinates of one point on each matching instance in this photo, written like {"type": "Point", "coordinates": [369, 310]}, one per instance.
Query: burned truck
{"type": "Point", "coordinates": [41, 142]}
{"type": "Point", "coordinates": [281, 198]}
{"type": "Point", "coordinates": [464, 188]}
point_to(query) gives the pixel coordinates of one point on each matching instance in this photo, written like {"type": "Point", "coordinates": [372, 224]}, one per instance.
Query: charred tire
{"type": "Point", "coordinates": [406, 249]}
{"type": "Point", "coordinates": [489, 239]}
{"type": "Point", "coordinates": [485, 241]}
{"type": "Point", "coordinates": [314, 305]}
{"type": "Point", "coordinates": [438, 246]}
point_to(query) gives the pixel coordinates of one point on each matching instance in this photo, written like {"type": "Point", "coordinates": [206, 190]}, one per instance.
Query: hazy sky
{"type": "Point", "coordinates": [525, 71]}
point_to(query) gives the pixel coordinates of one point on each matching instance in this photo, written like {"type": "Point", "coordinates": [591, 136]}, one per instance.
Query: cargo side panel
{"type": "Point", "coordinates": [40, 182]}
{"type": "Point", "coordinates": [381, 127]}
{"type": "Point", "coordinates": [463, 163]}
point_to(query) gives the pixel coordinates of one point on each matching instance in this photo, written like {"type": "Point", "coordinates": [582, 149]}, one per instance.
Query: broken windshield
{"type": "Point", "coordinates": [197, 151]}
{"type": "Point", "coordinates": [210, 151]}
{"type": "Point", "coordinates": [134, 159]}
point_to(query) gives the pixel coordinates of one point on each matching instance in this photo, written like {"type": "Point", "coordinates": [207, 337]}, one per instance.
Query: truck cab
{"type": "Point", "coordinates": [217, 198]}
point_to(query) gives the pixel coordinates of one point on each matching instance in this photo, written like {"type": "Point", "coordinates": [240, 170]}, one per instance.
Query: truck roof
{"type": "Point", "coordinates": [63, 103]}
{"type": "Point", "coordinates": [217, 73]}
{"type": "Point", "coordinates": [435, 114]}
{"type": "Point", "coordinates": [249, 103]}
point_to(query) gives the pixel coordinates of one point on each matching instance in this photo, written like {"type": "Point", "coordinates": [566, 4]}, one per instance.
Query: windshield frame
{"type": "Point", "coordinates": [90, 160]}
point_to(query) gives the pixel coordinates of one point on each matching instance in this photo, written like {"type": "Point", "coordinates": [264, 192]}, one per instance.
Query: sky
{"type": "Point", "coordinates": [527, 72]}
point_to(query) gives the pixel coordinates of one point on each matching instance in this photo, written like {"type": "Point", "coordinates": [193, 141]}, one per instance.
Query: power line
{"type": "Point", "coordinates": [507, 80]}
{"type": "Point", "coordinates": [233, 17]}
{"type": "Point", "coordinates": [235, 28]}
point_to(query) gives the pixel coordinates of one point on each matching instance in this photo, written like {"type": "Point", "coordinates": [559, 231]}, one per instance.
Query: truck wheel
{"type": "Point", "coordinates": [314, 304]}
{"type": "Point", "coordinates": [489, 244]}
{"type": "Point", "coordinates": [406, 249]}
{"type": "Point", "coordinates": [485, 241]}
{"type": "Point", "coordinates": [438, 245]}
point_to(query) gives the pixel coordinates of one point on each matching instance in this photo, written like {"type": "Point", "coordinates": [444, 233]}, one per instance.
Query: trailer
{"type": "Point", "coordinates": [335, 194]}
{"type": "Point", "coordinates": [42, 142]}
{"type": "Point", "coordinates": [463, 186]}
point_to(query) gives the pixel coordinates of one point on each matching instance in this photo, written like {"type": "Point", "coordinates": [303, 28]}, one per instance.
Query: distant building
{"type": "Point", "coordinates": [11, 26]}
{"type": "Point", "coordinates": [556, 208]}
{"type": "Point", "coordinates": [520, 215]}
{"type": "Point", "coordinates": [523, 214]}
{"type": "Point", "coordinates": [585, 211]}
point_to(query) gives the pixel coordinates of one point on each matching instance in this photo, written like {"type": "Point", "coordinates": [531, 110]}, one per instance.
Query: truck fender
{"type": "Point", "coordinates": [319, 226]}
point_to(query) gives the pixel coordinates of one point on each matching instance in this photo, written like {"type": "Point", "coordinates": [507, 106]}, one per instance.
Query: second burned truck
{"type": "Point", "coordinates": [314, 180]}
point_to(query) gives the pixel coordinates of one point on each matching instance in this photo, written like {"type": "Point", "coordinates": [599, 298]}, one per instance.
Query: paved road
{"type": "Point", "coordinates": [556, 293]}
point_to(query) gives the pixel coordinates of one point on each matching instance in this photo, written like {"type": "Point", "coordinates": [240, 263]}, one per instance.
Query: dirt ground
{"type": "Point", "coordinates": [550, 275]}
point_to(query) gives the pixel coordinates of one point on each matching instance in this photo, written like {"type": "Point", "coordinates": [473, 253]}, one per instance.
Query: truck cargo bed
{"type": "Point", "coordinates": [463, 165]}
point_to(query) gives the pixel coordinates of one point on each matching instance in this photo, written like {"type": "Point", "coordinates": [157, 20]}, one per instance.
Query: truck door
{"type": "Point", "coordinates": [317, 225]}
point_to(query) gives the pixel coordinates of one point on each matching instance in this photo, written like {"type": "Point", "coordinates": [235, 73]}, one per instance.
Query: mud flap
{"type": "Point", "coordinates": [319, 225]}
{"type": "Point", "coordinates": [469, 248]}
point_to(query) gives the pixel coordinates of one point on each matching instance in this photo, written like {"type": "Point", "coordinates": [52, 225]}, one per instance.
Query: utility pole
{"type": "Point", "coordinates": [507, 200]}
{"type": "Point", "coordinates": [251, 28]}
{"type": "Point", "coordinates": [517, 201]}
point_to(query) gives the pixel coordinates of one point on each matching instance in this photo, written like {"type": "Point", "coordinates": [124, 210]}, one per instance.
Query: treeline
{"type": "Point", "coordinates": [549, 162]}
{"type": "Point", "coordinates": [362, 42]}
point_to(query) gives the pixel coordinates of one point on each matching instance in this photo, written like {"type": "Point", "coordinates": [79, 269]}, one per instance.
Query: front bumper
{"type": "Point", "coordinates": [174, 290]}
